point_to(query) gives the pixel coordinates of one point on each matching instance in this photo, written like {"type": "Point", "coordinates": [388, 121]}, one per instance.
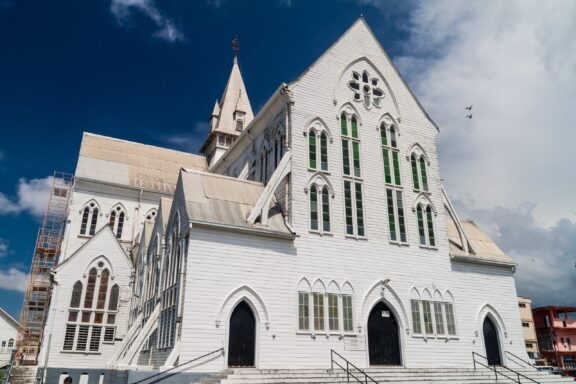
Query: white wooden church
{"type": "Point", "coordinates": [318, 224]}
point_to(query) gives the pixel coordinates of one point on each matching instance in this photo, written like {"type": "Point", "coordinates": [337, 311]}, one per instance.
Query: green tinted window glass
{"type": "Point", "coordinates": [414, 166]}
{"type": "Point", "coordinates": [421, 232]}
{"type": "Point", "coordinates": [346, 157]}
{"type": "Point", "coordinates": [391, 218]}
{"type": "Point", "coordinates": [396, 163]}
{"type": "Point", "coordinates": [323, 152]}
{"type": "Point", "coordinates": [423, 172]}
{"type": "Point", "coordinates": [431, 237]}
{"type": "Point", "coordinates": [387, 171]}
{"type": "Point", "coordinates": [383, 137]}
{"type": "Point", "coordinates": [359, 210]}
{"type": "Point", "coordinates": [343, 125]}
{"type": "Point", "coordinates": [348, 207]}
{"type": "Point", "coordinates": [312, 150]}
{"type": "Point", "coordinates": [325, 209]}
{"type": "Point", "coordinates": [401, 219]}
{"type": "Point", "coordinates": [356, 155]}
{"type": "Point", "coordinates": [354, 124]}
{"type": "Point", "coordinates": [314, 208]}
{"type": "Point", "coordinates": [393, 140]}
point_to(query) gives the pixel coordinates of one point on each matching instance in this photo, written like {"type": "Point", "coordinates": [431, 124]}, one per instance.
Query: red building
{"type": "Point", "coordinates": [556, 330]}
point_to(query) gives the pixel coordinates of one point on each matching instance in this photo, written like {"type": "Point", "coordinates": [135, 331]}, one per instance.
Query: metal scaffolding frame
{"type": "Point", "coordinates": [45, 258]}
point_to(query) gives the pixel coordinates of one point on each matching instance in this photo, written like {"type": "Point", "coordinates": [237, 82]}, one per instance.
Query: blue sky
{"type": "Point", "coordinates": [149, 71]}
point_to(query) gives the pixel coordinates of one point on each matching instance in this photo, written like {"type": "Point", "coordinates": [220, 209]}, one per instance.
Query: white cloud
{"type": "Point", "coordinates": [188, 141]}
{"type": "Point", "coordinates": [516, 62]}
{"type": "Point", "coordinates": [13, 280]}
{"type": "Point", "coordinates": [546, 256]}
{"type": "Point", "coordinates": [3, 247]}
{"type": "Point", "coordinates": [167, 30]}
{"type": "Point", "coordinates": [32, 197]}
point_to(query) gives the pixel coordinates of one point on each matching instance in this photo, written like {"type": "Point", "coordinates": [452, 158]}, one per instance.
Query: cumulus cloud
{"type": "Point", "coordinates": [13, 279]}
{"type": "Point", "coordinates": [31, 196]}
{"type": "Point", "coordinates": [167, 30]}
{"type": "Point", "coordinates": [546, 255]}
{"type": "Point", "coordinates": [515, 61]}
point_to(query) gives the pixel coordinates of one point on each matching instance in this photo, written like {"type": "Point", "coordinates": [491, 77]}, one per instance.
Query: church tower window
{"type": "Point", "coordinates": [312, 150]}
{"type": "Point", "coordinates": [89, 219]}
{"type": "Point", "coordinates": [314, 208]}
{"type": "Point", "coordinates": [419, 170]}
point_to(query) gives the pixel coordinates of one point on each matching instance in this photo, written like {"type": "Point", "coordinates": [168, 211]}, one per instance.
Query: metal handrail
{"type": "Point", "coordinates": [496, 372]}
{"type": "Point", "coordinates": [347, 369]}
{"type": "Point", "coordinates": [177, 366]}
{"type": "Point", "coordinates": [522, 360]}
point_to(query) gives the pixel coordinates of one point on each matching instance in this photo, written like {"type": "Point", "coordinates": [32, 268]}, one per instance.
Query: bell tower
{"type": "Point", "coordinates": [230, 116]}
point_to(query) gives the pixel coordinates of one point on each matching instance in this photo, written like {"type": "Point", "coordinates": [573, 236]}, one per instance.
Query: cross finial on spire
{"type": "Point", "coordinates": [236, 46]}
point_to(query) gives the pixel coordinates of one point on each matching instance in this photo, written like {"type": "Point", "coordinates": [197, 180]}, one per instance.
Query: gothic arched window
{"type": "Point", "coordinates": [426, 231]}
{"type": "Point", "coordinates": [419, 171]}
{"type": "Point", "coordinates": [116, 222]}
{"type": "Point", "coordinates": [312, 150]}
{"type": "Point", "coordinates": [76, 295]}
{"type": "Point", "coordinates": [320, 208]}
{"type": "Point", "coordinates": [103, 289]}
{"type": "Point", "coordinates": [89, 219]}
{"type": "Point", "coordinates": [114, 294]}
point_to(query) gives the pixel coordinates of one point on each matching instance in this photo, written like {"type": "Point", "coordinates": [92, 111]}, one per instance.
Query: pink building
{"type": "Point", "coordinates": [556, 330]}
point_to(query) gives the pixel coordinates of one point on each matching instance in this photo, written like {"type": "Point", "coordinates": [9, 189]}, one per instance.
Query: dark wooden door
{"type": "Point", "coordinates": [383, 336]}
{"type": "Point", "coordinates": [242, 337]}
{"type": "Point", "coordinates": [491, 342]}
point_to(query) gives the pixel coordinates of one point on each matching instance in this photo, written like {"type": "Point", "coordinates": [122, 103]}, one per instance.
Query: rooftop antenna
{"type": "Point", "coordinates": [236, 47]}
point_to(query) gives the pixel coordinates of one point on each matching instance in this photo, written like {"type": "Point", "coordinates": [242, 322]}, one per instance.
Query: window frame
{"type": "Point", "coordinates": [443, 302]}
{"type": "Point", "coordinates": [424, 205]}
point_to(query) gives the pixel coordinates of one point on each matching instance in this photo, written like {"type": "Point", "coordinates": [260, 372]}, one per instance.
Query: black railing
{"type": "Point", "coordinates": [494, 368]}
{"type": "Point", "coordinates": [515, 359]}
{"type": "Point", "coordinates": [220, 350]}
{"type": "Point", "coordinates": [364, 376]}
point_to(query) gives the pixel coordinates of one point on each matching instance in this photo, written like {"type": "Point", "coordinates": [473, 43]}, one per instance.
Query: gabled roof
{"type": "Point", "coordinates": [131, 164]}
{"type": "Point", "coordinates": [226, 202]}
{"type": "Point", "coordinates": [164, 208]}
{"type": "Point", "coordinates": [361, 23]}
{"type": "Point", "coordinates": [235, 98]}
{"type": "Point", "coordinates": [9, 318]}
{"type": "Point", "coordinates": [104, 231]}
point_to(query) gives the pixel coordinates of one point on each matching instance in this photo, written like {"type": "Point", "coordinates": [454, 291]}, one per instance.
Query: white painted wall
{"type": "Point", "coordinates": [8, 331]}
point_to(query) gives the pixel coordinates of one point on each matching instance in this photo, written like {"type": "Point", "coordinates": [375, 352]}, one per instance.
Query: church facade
{"type": "Point", "coordinates": [318, 224]}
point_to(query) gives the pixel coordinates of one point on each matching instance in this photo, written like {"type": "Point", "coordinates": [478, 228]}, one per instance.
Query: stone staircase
{"type": "Point", "coordinates": [386, 375]}
{"type": "Point", "coordinates": [23, 374]}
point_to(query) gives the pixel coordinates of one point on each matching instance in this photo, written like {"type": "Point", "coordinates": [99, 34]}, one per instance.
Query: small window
{"type": "Point", "coordinates": [525, 325]}
{"type": "Point", "coordinates": [416, 321]}
{"type": "Point", "coordinates": [319, 209]}
{"type": "Point", "coordinates": [76, 295]}
{"type": "Point", "coordinates": [522, 305]}
{"type": "Point", "coordinates": [450, 320]}
{"type": "Point", "coordinates": [312, 150]}
{"type": "Point", "coordinates": [347, 313]}
{"type": "Point", "coordinates": [89, 219]}
{"type": "Point", "coordinates": [428, 325]}
{"type": "Point", "coordinates": [113, 303]}
{"type": "Point", "coordinates": [10, 343]}
{"type": "Point", "coordinates": [90, 287]}
{"type": "Point", "coordinates": [439, 318]}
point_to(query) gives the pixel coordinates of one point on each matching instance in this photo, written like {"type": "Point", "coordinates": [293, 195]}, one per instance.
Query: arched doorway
{"type": "Point", "coordinates": [491, 342]}
{"type": "Point", "coordinates": [383, 336]}
{"type": "Point", "coordinates": [242, 337]}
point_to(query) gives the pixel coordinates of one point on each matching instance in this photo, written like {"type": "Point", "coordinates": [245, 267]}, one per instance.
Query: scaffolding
{"type": "Point", "coordinates": [46, 252]}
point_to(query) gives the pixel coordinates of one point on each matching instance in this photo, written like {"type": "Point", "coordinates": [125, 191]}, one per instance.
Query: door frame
{"type": "Point", "coordinates": [256, 333]}
{"type": "Point", "coordinates": [499, 334]}
{"type": "Point", "coordinates": [401, 326]}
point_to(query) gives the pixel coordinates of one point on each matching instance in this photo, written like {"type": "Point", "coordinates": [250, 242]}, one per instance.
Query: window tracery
{"type": "Point", "coordinates": [366, 89]}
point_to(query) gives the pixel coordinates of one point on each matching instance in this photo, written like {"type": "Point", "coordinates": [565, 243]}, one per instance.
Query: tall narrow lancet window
{"type": "Point", "coordinates": [89, 219]}
{"type": "Point", "coordinates": [314, 208]}
{"type": "Point", "coordinates": [431, 236]}
{"type": "Point", "coordinates": [90, 287]}
{"type": "Point", "coordinates": [323, 152]}
{"type": "Point", "coordinates": [326, 209]}
{"type": "Point", "coordinates": [114, 294]}
{"type": "Point", "coordinates": [76, 295]}
{"type": "Point", "coordinates": [418, 163]}
{"type": "Point", "coordinates": [393, 181]}
{"type": "Point", "coordinates": [312, 150]}
{"type": "Point", "coordinates": [351, 168]}
{"type": "Point", "coordinates": [414, 166]}
{"type": "Point", "coordinates": [423, 173]}
{"type": "Point", "coordinates": [421, 229]}
{"type": "Point", "coordinates": [103, 289]}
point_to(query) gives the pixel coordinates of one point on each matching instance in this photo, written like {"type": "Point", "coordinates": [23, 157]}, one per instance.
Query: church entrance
{"type": "Point", "coordinates": [242, 337]}
{"type": "Point", "coordinates": [491, 342]}
{"type": "Point", "coordinates": [383, 336]}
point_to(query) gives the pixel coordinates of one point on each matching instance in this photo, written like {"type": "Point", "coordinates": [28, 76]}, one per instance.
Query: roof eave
{"type": "Point", "coordinates": [238, 229]}
{"type": "Point", "coordinates": [475, 260]}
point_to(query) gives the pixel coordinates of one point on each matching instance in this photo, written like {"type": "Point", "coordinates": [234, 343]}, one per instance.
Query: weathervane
{"type": "Point", "coordinates": [236, 46]}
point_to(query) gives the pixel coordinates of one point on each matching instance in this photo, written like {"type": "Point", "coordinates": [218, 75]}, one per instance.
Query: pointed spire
{"type": "Point", "coordinates": [216, 110]}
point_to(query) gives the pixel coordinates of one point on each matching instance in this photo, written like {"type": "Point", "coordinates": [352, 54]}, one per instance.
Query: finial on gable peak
{"type": "Point", "coordinates": [236, 47]}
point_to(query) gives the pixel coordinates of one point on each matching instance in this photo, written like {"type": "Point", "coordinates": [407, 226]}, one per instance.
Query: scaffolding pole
{"type": "Point", "coordinates": [45, 258]}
